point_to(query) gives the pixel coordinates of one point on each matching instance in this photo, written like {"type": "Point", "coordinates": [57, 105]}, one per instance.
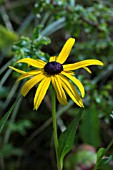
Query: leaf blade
{"type": "Point", "coordinates": [101, 152]}
{"type": "Point", "coordinates": [6, 116]}
{"type": "Point", "coordinates": [67, 137]}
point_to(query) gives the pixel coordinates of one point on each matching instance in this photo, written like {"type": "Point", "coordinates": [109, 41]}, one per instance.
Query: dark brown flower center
{"type": "Point", "coordinates": [53, 67]}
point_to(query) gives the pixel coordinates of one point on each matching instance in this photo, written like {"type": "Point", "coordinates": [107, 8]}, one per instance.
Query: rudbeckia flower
{"type": "Point", "coordinates": [57, 73]}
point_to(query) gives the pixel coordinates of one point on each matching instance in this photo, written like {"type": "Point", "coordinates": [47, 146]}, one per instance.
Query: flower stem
{"type": "Point", "coordinates": [56, 144]}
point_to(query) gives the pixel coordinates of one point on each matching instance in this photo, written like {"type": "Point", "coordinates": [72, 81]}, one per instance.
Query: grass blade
{"type": "Point", "coordinates": [6, 116]}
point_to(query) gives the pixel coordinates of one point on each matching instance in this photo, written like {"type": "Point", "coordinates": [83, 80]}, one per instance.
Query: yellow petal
{"type": "Point", "coordinates": [53, 58]}
{"type": "Point", "coordinates": [65, 50]}
{"type": "Point", "coordinates": [33, 72]}
{"type": "Point", "coordinates": [70, 72]}
{"type": "Point", "coordinates": [41, 91]}
{"type": "Point", "coordinates": [17, 70]}
{"type": "Point", "coordinates": [30, 83]}
{"type": "Point", "coordinates": [23, 76]}
{"type": "Point", "coordinates": [81, 64]}
{"type": "Point", "coordinates": [69, 88]}
{"type": "Point", "coordinates": [87, 69]}
{"type": "Point", "coordinates": [59, 90]}
{"type": "Point", "coordinates": [32, 62]}
{"type": "Point", "coordinates": [29, 74]}
{"type": "Point", "coordinates": [76, 81]}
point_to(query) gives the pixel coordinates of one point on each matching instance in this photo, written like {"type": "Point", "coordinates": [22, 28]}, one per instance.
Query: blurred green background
{"type": "Point", "coordinates": [38, 29]}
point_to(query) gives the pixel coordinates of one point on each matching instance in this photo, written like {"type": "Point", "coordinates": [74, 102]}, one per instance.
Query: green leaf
{"type": "Point", "coordinates": [67, 137]}
{"type": "Point", "coordinates": [20, 126]}
{"type": "Point", "coordinates": [7, 38]}
{"type": "Point", "coordinates": [6, 116]}
{"type": "Point", "coordinates": [101, 152]}
{"type": "Point", "coordinates": [90, 126]}
{"type": "Point", "coordinates": [105, 160]}
{"type": "Point", "coordinates": [36, 32]}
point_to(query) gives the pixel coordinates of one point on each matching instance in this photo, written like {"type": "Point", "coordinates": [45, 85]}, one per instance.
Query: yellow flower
{"type": "Point", "coordinates": [57, 73]}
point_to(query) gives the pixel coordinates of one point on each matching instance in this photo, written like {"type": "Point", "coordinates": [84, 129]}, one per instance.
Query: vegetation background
{"type": "Point", "coordinates": [38, 29]}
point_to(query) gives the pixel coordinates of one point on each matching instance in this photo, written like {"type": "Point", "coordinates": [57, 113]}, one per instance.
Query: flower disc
{"type": "Point", "coordinates": [53, 67]}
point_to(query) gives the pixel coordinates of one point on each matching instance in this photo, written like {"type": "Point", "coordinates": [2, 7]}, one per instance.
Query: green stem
{"type": "Point", "coordinates": [55, 127]}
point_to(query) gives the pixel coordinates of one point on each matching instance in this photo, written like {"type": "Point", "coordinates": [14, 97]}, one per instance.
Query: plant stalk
{"type": "Point", "coordinates": [54, 120]}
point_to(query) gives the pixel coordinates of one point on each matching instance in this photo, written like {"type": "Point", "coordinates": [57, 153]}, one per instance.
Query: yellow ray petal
{"type": "Point", "coordinates": [70, 72]}
{"type": "Point", "coordinates": [23, 76]}
{"type": "Point", "coordinates": [76, 81]}
{"type": "Point", "coordinates": [52, 58]}
{"type": "Point", "coordinates": [81, 64]}
{"type": "Point", "coordinates": [41, 91]}
{"type": "Point", "coordinates": [87, 69]}
{"type": "Point", "coordinates": [32, 62]}
{"type": "Point", "coordinates": [65, 50]}
{"type": "Point", "coordinates": [33, 72]}
{"type": "Point", "coordinates": [30, 83]}
{"type": "Point", "coordinates": [59, 90]}
{"type": "Point", "coordinates": [69, 88]}
{"type": "Point", "coordinates": [29, 74]}
{"type": "Point", "coordinates": [17, 70]}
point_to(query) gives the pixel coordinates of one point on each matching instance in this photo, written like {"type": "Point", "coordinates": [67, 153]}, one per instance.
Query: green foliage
{"type": "Point", "coordinates": [103, 160]}
{"type": "Point", "coordinates": [1, 1]}
{"type": "Point", "coordinates": [8, 150]}
{"type": "Point", "coordinates": [7, 38]}
{"type": "Point", "coordinates": [6, 116]}
{"type": "Point", "coordinates": [90, 127]}
{"type": "Point", "coordinates": [20, 126]}
{"type": "Point", "coordinates": [67, 138]}
{"type": "Point", "coordinates": [31, 47]}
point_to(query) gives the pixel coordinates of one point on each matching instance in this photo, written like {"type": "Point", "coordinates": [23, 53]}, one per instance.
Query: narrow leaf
{"type": "Point", "coordinates": [67, 137]}
{"type": "Point", "coordinates": [102, 152]}
{"type": "Point", "coordinates": [105, 160]}
{"type": "Point", "coordinates": [6, 116]}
